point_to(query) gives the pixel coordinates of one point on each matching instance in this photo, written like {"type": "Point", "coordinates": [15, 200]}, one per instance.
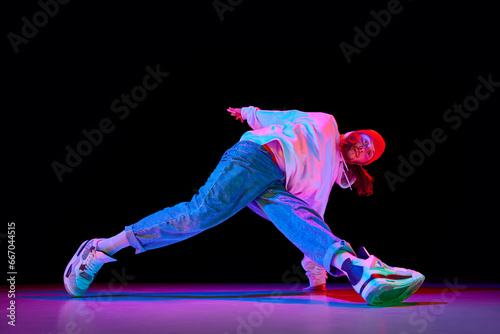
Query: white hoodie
{"type": "Point", "coordinates": [306, 148]}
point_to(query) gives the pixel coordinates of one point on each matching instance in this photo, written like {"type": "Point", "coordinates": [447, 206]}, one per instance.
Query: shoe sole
{"type": "Point", "coordinates": [74, 263]}
{"type": "Point", "coordinates": [385, 292]}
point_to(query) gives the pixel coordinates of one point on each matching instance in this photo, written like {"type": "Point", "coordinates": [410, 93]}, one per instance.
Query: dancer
{"type": "Point", "coordinates": [283, 169]}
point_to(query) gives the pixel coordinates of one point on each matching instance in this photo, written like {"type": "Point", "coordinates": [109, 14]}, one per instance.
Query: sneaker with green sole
{"type": "Point", "coordinates": [380, 284]}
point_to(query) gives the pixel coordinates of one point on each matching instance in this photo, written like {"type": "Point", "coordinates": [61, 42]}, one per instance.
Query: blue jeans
{"type": "Point", "coordinates": [245, 176]}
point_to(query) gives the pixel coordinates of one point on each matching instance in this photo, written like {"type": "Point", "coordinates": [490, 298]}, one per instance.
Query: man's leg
{"type": "Point", "coordinates": [376, 282]}
{"type": "Point", "coordinates": [243, 173]}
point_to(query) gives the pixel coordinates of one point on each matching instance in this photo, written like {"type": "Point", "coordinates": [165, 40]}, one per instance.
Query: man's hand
{"type": "Point", "coordinates": [236, 112]}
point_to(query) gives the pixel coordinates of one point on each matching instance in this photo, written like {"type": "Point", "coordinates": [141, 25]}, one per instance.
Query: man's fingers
{"type": "Point", "coordinates": [236, 112]}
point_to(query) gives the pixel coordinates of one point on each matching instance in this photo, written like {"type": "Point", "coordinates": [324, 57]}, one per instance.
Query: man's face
{"type": "Point", "coordinates": [362, 152]}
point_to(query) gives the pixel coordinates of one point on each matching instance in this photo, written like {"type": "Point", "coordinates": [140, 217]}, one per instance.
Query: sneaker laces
{"type": "Point", "coordinates": [375, 262]}
{"type": "Point", "coordinates": [378, 264]}
{"type": "Point", "coordinates": [93, 264]}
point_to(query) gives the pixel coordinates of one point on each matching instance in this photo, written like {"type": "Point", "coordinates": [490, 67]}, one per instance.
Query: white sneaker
{"type": "Point", "coordinates": [83, 267]}
{"type": "Point", "coordinates": [380, 284]}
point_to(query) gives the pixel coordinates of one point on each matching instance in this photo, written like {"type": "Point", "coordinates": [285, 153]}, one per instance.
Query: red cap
{"type": "Point", "coordinates": [378, 142]}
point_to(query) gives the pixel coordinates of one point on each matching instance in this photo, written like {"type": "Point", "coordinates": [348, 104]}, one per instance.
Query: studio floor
{"type": "Point", "coordinates": [450, 307]}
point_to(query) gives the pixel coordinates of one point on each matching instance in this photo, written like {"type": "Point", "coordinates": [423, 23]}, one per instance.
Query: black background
{"type": "Point", "coordinates": [272, 54]}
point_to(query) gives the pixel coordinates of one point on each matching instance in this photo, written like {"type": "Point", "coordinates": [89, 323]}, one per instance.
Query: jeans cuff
{"type": "Point", "coordinates": [341, 245]}
{"type": "Point", "coordinates": [132, 239]}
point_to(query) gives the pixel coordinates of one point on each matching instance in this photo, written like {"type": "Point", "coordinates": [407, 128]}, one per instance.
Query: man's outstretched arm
{"type": "Point", "coordinates": [258, 119]}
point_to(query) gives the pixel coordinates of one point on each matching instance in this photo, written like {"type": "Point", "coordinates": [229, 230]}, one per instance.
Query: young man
{"type": "Point", "coordinates": [283, 170]}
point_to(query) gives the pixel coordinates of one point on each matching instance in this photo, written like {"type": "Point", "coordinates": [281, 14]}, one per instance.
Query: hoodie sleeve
{"type": "Point", "coordinates": [258, 119]}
